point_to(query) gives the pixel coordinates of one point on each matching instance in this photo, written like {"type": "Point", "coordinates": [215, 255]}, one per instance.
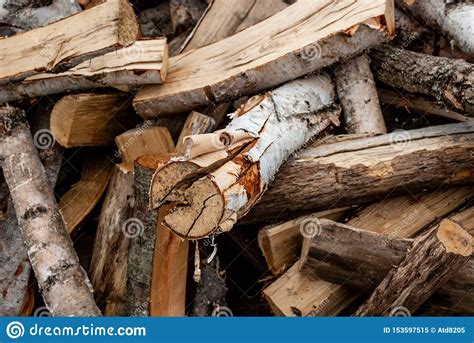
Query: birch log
{"type": "Point", "coordinates": [361, 259]}
{"type": "Point", "coordinates": [362, 169]}
{"type": "Point", "coordinates": [445, 79]}
{"type": "Point", "coordinates": [68, 42]}
{"type": "Point", "coordinates": [64, 285]}
{"type": "Point", "coordinates": [307, 36]}
{"type": "Point", "coordinates": [228, 171]}
{"type": "Point", "coordinates": [456, 19]}
{"type": "Point", "coordinates": [430, 262]}
{"type": "Point", "coordinates": [358, 96]}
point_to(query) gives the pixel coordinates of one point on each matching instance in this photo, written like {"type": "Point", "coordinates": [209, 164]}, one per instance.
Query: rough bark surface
{"type": "Point", "coordinates": [64, 285]}
{"type": "Point", "coordinates": [430, 262]}
{"type": "Point", "coordinates": [451, 81]}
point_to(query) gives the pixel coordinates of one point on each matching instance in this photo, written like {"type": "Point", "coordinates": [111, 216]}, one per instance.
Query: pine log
{"type": "Point", "coordinates": [143, 62]}
{"type": "Point", "coordinates": [170, 260]}
{"type": "Point", "coordinates": [64, 285]}
{"type": "Point", "coordinates": [453, 18]}
{"type": "Point", "coordinates": [417, 103]}
{"type": "Point", "coordinates": [91, 119]}
{"type": "Point", "coordinates": [358, 96]}
{"type": "Point", "coordinates": [402, 216]}
{"type": "Point", "coordinates": [68, 42]}
{"type": "Point", "coordinates": [448, 80]}
{"type": "Point", "coordinates": [236, 164]}
{"type": "Point", "coordinates": [362, 169]}
{"type": "Point", "coordinates": [361, 259]}
{"type": "Point", "coordinates": [432, 260]}
{"type": "Point", "coordinates": [316, 30]}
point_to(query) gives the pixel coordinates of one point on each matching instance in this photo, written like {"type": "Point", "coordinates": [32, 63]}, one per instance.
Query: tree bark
{"type": "Point", "coordinates": [320, 42]}
{"type": "Point", "coordinates": [263, 133]}
{"type": "Point", "coordinates": [363, 169]}
{"type": "Point", "coordinates": [361, 259]}
{"type": "Point", "coordinates": [451, 81]}
{"type": "Point", "coordinates": [358, 96]}
{"type": "Point", "coordinates": [64, 285]}
{"type": "Point", "coordinates": [454, 19]}
{"type": "Point", "coordinates": [430, 262]}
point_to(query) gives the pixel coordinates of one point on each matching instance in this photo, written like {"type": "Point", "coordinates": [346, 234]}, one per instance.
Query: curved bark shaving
{"type": "Point", "coordinates": [223, 174]}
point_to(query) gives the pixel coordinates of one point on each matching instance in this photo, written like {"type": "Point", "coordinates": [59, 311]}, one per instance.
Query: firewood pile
{"type": "Point", "coordinates": [219, 158]}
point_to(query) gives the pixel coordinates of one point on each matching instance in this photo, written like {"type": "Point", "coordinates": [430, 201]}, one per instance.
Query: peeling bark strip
{"type": "Point", "coordinates": [306, 36]}
{"type": "Point", "coordinates": [449, 80]}
{"type": "Point", "coordinates": [361, 169]}
{"type": "Point", "coordinates": [430, 262]}
{"type": "Point", "coordinates": [228, 170]}
{"type": "Point", "coordinates": [358, 96]}
{"type": "Point", "coordinates": [68, 42]}
{"type": "Point", "coordinates": [454, 19]}
{"type": "Point", "coordinates": [144, 62]}
{"type": "Point", "coordinates": [64, 285]}
{"type": "Point", "coordinates": [361, 259]}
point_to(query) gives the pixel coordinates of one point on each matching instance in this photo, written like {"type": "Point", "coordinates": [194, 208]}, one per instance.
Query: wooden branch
{"type": "Point", "coordinates": [321, 40]}
{"type": "Point", "coordinates": [91, 119]}
{"type": "Point", "coordinates": [68, 42]}
{"type": "Point", "coordinates": [64, 284]}
{"type": "Point", "coordinates": [426, 106]}
{"type": "Point", "coordinates": [361, 259]}
{"type": "Point", "coordinates": [403, 216]}
{"type": "Point", "coordinates": [237, 163]}
{"type": "Point", "coordinates": [430, 262]}
{"type": "Point", "coordinates": [358, 96]}
{"type": "Point", "coordinates": [451, 18]}
{"type": "Point", "coordinates": [364, 168]}
{"type": "Point", "coordinates": [281, 244]}
{"type": "Point", "coordinates": [445, 79]}
{"type": "Point", "coordinates": [144, 62]}
{"type": "Point", "coordinates": [170, 260]}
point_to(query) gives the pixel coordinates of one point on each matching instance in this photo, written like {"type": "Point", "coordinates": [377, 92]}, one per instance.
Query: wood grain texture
{"type": "Point", "coordinates": [67, 42]}
{"type": "Point", "coordinates": [252, 59]}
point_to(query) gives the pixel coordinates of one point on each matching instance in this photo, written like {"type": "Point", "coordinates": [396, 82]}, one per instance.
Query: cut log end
{"type": "Point", "coordinates": [128, 29]}
{"type": "Point", "coordinates": [454, 238]}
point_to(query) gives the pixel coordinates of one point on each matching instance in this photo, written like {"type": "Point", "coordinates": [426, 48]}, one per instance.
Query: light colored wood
{"type": "Point", "coordinates": [144, 62]}
{"type": "Point", "coordinates": [65, 43]}
{"type": "Point", "coordinates": [281, 244]}
{"type": "Point", "coordinates": [91, 119]}
{"type": "Point", "coordinates": [306, 36]}
{"type": "Point", "coordinates": [145, 140]}
{"type": "Point", "coordinates": [79, 201]}
{"type": "Point", "coordinates": [403, 216]}
{"type": "Point", "coordinates": [430, 107]}
{"type": "Point", "coordinates": [170, 260]}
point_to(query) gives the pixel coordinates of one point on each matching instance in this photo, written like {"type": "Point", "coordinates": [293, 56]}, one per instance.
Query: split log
{"type": "Point", "coordinates": [281, 244]}
{"type": "Point", "coordinates": [430, 262]}
{"type": "Point", "coordinates": [402, 216]}
{"type": "Point", "coordinates": [144, 62]}
{"type": "Point", "coordinates": [80, 200]}
{"type": "Point", "coordinates": [64, 285]}
{"type": "Point", "coordinates": [68, 42]}
{"type": "Point", "coordinates": [170, 260]}
{"type": "Point", "coordinates": [408, 101]}
{"type": "Point", "coordinates": [117, 227]}
{"type": "Point", "coordinates": [453, 18]}
{"type": "Point", "coordinates": [91, 119]}
{"type": "Point", "coordinates": [358, 96]}
{"type": "Point", "coordinates": [451, 81]}
{"type": "Point", "coordinates": [226, 172]}
{"type": "Point", "coordinates": [362, 169]}
{"type": "Point", "coordinates": [321, 33]}
{"type": "Point", "coordinates": [361, 259]}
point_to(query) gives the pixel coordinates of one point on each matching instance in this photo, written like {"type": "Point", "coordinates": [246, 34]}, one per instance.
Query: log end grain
{"type": "Point", "coordinates": [454, 238]}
